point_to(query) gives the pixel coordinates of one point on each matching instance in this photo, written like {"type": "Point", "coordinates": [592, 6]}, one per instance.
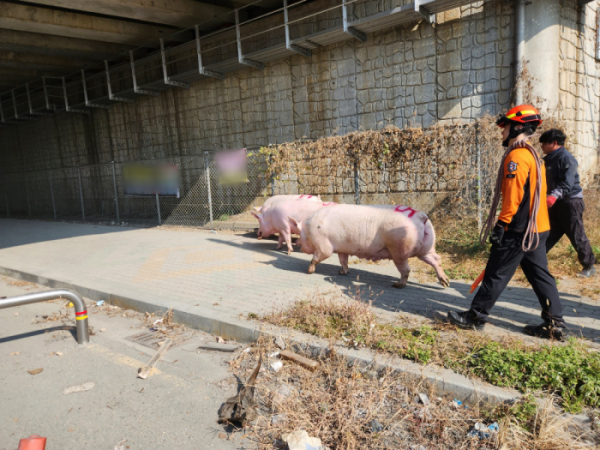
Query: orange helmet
{"type": "Point", "coordinates": [522, 114]}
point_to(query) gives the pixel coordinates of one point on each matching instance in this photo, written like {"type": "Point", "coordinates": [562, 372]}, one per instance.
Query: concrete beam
{"type": "Point", "coordinates": [18, 17]}
{"type": "Point", "coordinates": [179, 13]}
{"type": "Point", "coordinates": [22, 41]}
{"type": "Point", "coordinates": [40, 62]}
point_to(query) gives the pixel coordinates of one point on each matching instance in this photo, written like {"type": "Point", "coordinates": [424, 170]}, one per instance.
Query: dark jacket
{"type": "Point", "coordinates": [561, 175]}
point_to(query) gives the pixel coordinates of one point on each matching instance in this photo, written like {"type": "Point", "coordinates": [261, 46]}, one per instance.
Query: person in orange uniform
{"type": "Point", "coordinates": [520, 232]}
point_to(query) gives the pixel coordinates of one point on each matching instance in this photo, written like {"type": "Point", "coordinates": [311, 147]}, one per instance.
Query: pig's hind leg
{"type": "Point", "coordinates": [319, 255]}
{"type": "Point", "coordinates": [344, 262]}
{"type": "Point", "coordinates": [287, 237]}
{"type": "Point", "coordinates": [435, 261]}
{"type": "Point", "coordinates": [279, 241]}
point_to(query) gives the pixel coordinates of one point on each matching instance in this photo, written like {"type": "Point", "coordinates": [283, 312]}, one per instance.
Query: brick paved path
{"type": "Point", "coordinates": [235, 274]}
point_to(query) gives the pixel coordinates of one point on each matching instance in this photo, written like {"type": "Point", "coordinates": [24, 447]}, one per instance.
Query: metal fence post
{"type": "Point", "coordinates": [272, 177]}
{"type": "Point", "coordinates": [207, 172]}
{"type": "Point", "coordinates": [81, 194]}
{"type": "Point", "coordinates": [27, 197]}
{"type": "Point", "coordinates": [478, 148]}
{"type": "Point", "coordinates": [356, 183]}
{"type": "Point", "coordinates": [6, 199]}
{"type": "Point", "coordinates": [158, 209]}
{"type": "Point", "coordinates": [115, 189]}
{"type": "Point", "coordinates": [52, 194]}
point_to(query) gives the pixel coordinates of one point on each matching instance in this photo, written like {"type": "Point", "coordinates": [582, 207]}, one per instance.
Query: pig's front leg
{"type": "Point", "coordinates": [279, 241]}
{"type": "Point", "coordinates": [435, 261]}
{"type": "Point", "coordinates": [287, 237]}
{"type": "Point", "coordinates": [344, 262]}
{"type": "Point", "coordinates": [402, 266]}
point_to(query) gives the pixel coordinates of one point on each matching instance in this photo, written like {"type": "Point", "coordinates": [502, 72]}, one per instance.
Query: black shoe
{"type": "Point", "coordinates": [465, 320]}
{"type": "Point", "coordinates": [587, 272]}
{"type": "Point", "coordinates": [547, 331]}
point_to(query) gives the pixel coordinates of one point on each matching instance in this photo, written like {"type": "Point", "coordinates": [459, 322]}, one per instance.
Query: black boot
{"type": "Point", "coordinates": [466, 320]}
{"type": "Point", "coordinates": [547, 331]}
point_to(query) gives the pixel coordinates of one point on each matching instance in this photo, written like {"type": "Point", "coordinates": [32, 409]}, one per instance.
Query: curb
{"type": "Point", "coordinates": [442, 380]}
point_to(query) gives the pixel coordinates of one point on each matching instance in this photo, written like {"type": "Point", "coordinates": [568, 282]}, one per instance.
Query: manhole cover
{"type": "Point", "coordinates": [152, 339]}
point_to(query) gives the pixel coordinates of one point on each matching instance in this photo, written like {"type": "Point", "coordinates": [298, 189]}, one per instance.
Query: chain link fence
{"type": "Point", "coordinates": [95, 193]}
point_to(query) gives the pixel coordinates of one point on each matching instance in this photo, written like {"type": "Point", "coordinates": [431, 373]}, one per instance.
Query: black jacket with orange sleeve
{"type": "Point", "coordinates": [518, 187]}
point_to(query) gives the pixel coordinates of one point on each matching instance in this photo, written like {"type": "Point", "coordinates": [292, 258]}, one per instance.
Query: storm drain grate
{"type": "Point", "coordinates": [153, 340]}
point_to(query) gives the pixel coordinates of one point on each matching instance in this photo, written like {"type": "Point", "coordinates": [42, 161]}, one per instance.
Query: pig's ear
{"type": "Point", "coordinates": [257, 215]}
{"type": "Point", "coordinates": [295, 223]}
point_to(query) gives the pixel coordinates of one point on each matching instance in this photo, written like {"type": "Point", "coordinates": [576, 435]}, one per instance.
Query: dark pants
{"type": "Point", "coordinates": [566, 217]}
{"type": "Point", "coordinates": [502, 265]}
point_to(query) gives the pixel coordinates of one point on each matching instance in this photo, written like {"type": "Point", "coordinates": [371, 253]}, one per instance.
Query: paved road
{"type": "Point", "coordinates": [228, 275]}
{"type": "Point", "coordinates": [176, 407]}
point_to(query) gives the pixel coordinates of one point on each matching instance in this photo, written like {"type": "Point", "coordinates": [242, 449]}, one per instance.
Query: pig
{"type": "Point", "coordinates": [275, 219]}
{"type": "Point", "coordinates": [371, 232]}
{"type": "Point", "coordinates": [285, 198]}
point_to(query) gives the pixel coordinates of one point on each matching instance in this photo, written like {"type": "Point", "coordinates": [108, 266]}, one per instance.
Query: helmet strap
{"type": "Point", "coordinates": [513, 133]}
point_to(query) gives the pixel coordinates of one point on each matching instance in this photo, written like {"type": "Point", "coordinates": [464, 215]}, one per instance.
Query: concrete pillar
{"type": "Point", "coordinates": [542, 36]}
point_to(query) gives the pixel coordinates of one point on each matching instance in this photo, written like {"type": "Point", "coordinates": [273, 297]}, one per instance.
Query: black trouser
{"type": "Point", "coordinates": [566, 217]}
{"type": "Point", "coordinates": [501, 267]}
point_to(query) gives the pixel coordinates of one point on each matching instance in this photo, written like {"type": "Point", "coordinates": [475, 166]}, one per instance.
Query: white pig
{"type": "Point", "coordinates": [285, 198]}
{"type": "Point", "coordinates": [371, 232]}
{"type": "Point", "coordinates": [275, 219]}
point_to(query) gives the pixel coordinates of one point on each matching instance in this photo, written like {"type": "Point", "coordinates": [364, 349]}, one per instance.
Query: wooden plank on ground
{"type": "Point", "coordinates": [304, 362]}
{"type": "Point", "coordinates": [145, 371]}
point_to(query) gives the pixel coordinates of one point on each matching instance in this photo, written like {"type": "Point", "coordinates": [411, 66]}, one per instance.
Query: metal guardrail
{"type": "Point", "coordinates": [81, 315]}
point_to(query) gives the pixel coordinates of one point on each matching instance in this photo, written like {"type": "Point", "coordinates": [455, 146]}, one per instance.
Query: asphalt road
{"type": "Point", "coordinates": [176, 407]}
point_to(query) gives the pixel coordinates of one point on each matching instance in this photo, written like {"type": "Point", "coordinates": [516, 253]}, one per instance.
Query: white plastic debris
{"type": "Point", "coordinates": [273, 355]}
{"type": "Point", "coordinates": [157, 321]}
{"type": "Point", "coordinates": [276, 366]}
{"type": "Point", "coordinates": [300, 440]}
{"type": "Point", "coordinates": [80, 388]}
{"type": "Point", "coordinates": [100, 303]}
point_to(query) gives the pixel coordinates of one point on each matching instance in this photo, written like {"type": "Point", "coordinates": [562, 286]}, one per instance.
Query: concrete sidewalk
{"type": "Point", "coordinates": [214, 279]}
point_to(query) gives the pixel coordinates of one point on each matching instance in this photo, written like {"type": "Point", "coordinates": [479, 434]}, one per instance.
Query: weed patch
{"type": "Point", "coordinates": [569, 370]}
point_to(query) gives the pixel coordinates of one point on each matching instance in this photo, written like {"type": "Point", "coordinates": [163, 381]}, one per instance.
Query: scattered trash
{"type": "Point", "coordinates": [279, 419]}
{"type": "Point", "coordinates": [247, 350]}
{"type": "Point", "coordinates": [483, 432]}
{"type": "Point", "coordinates": [278, 341]}
{"type": "Point", "coordinates": [100, 303]}
{"type": "Point", "coordinates": [276, 366]}
{"type": "Point", "coordinates": [300, 440]}
{"type": "Point", "coordinates": [230, 348]}
{"type": "Point", "coordinates": [424, 399]}
{"type": "Point", "coordinates": [120, 445]}
{"type": "Point", "coordinates": [240, 407]}
{"type": "Point", "coordinates": [34, 442]}
{"type": "Point", "coordinates": [157, 321]}
{"type": "Point", "coordinates": [213, 231]}
{"type": "Point", "coordinates": [456, 404]}
{"type": "Point", "coordinates": [80, 388]}
{"type": "Point", "coordinates": [35, 371]}
{"type": "Point", "coordinates": [69, 305]}
{"type": "Point", "coordinates": [15, 353]}
{"type": "Point", "coordinates": [305, 362]}
{"type": "Point", "coordinates": [273, 355]}
{"type": "Point", "coordinates": [143, 372]}
{"type": "Point", "coordinates": [376, 426]}
{"type": "Point", "coordinates": [56, 354]}
{"type": "Point", "coordinates": [16, 314]}
{"type": "Point", "coordinates": [102, 330]}
{"type": "Point", "coordinates": [220, 340]}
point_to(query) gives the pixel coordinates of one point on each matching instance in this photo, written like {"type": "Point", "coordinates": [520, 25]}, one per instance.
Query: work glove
{"type": "Point", "coordinates": [497, 235]}
{"type": "Point", "coordinates": [550, 201]}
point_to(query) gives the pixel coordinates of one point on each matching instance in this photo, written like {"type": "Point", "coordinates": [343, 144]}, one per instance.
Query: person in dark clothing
{"type": "Point", "coordinates": [519, 234]}
{"type": "Point", "coordinates": [565, 200]}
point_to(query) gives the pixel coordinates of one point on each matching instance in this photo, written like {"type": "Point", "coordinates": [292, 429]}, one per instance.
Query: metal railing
{"type": "Point", "coordinates": [81, 315]}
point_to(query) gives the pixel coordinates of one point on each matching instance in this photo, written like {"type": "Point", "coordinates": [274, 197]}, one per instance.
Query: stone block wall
{"type": "Point", "coordinates": [411, 75]}
{"type": "Point", "coordinates": [579, 83]}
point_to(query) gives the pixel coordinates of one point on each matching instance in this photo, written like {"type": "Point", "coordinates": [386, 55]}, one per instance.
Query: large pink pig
{"type": "Point", "coordinates": [371, 232]}
{"type": "Point", "coordinates": [275, 219]}
{"type": "Point", "coordinates": [285, 198]}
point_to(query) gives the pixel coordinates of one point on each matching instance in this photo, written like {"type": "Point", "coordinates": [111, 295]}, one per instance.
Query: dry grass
{"type": "Point", "coordinates": [338, 402]}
